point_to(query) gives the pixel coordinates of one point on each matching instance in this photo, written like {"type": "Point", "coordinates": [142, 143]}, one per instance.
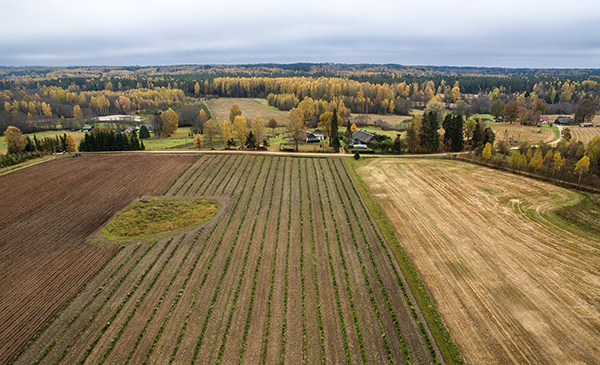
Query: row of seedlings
{"type": "Point", "coordinates": [368, 272]}
{"type": "Point", "coordinates": [179, 180]}
{"type": "Point", "coordinates": [165, 348]}
{"type": "Point", "coordinates": [232, 339]}
{"type": "Point", "coordinates": [238, 253]}
{"type": "Point", "coordinates": [404, 308]}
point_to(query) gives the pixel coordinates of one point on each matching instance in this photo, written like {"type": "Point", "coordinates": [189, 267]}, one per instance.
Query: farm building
{"type": "Point", "coordinates": [87, 128]}
{"type": "Point", "coordinates": [310, 137]}
{"type": "Point", "coordinates": [363, 137]}
{"type": "Point", "coordinates": [564, 120]}
{"type": "Point", "coordinates": [586, 125]}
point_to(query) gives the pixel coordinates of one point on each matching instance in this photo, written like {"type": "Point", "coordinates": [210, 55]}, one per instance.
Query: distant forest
{"type": "Point", "coordinates": [38, 98]}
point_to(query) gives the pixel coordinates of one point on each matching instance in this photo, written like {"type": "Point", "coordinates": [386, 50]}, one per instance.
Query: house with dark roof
{"type": "Point", "coordinates": [564, 120]}
{"type": "Point", "coordinates": [309, 137]}
{"type": "Point", "coordinates": [87, 128]}
{"type": "Point", "coordinates": [363, 137]}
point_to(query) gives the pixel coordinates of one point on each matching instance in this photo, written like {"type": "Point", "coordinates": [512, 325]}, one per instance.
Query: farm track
{"type": "Point", "coordinates": [292, 271]}
{"type": "Point", "coordinates": [49, 211]}
{"type": "Point", "coordinates": [511, 287]}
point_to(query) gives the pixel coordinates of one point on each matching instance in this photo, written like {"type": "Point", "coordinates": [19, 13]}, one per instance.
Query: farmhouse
{"type": "Point", "coordinates": [363, 137]}
{"type": "Point", "coordinates": [564, 120]}
{"type": "Point", "coordinates": [87, 128]}
{"type": "Point", "coordinates": [310, 137]}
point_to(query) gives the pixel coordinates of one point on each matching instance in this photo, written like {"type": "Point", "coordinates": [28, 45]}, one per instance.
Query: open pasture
{"type": "Point", "coordinates": [512, 282]}
{"type": "Point", "coordinates": [250, 108]}
{"type": "Point", "coordinates": [48, 212]}
{"type": "Point", "coordinates": [523, 133]}
{"type": "Point", "coordinates": [292, 270]}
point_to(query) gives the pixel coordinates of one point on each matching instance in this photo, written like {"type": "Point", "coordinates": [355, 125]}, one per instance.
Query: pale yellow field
{"type": "Point", "coordinates": [219, 109]}
{"type": "Point", "coordinates": [512, 284]}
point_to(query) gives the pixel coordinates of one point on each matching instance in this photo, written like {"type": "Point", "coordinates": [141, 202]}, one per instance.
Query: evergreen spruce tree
{"type": "Point", "coordinates": [476, 140]}
{"type": "Point", "coordinates": [430, 138]}
{"type": "Point", "coordinates": [458, 138]}
{"type": "Point", "coordinates": [335, 138]}
{"type": "Point", "coordinates": [348, 134]}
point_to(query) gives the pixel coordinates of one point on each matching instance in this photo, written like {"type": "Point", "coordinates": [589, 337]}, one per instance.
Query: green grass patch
{"type": "Point", "coordinates": [146, 218]}
{"type": "Point", "coordinates": [585, 214]}
{"type": "Point", "coordinates": [447, 347]}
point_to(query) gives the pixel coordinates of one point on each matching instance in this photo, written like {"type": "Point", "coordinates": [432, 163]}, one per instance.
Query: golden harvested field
{"type": "Point", "coordinates": [512, 282]}
{"type": "Point", "coordinates": [586, 134]}
{"type": "Point", "coordinates": [521, 133]}
{"type": "Point", "coordinates": [220, 107]}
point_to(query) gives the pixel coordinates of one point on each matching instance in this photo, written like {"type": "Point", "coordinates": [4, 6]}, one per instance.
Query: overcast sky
{"type": "Point", "coordinates": [509, 33]}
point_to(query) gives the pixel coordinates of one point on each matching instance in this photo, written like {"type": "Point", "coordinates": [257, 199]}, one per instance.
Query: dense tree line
{"type": "Point", "coordinates": [108, 140]}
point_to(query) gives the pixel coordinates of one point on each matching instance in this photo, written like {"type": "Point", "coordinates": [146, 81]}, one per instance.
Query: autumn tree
{"type": "Point", "coordinates": [537, 161]}
{"type": "Point", "coordinates": [234, 112]}
{"type": "Point", "coordinates": [225, 133]}
{"type": "Point", "coordinates": [412, 134]}
{"type": "Point", "coordinates": [326, 122]}
{"type": "Point", "coordinates": [455, 93]}
{"type": "Point", "coordinates": [240, 128]}
{"type": "Point", "coordinates": [198, 141]}
{"type": "Point", "coordinates": [487, 151]}
{"type": "Point", "coordinates": [196, 88]}
{"type": "Point", "coordinates": [169, 122]}
{"type": "Point", "coordinates": [586, 110]}
{"type": "Point", "coordinates": [296, 124]}
{"type": "Point", "coordinates": [47, 110]}
{"type": "Point", "coordinates": [77, 112]}
{"type": "Point", "coordinates": [557, 162]}
{"type": "Point", "coordinates": [583, 165]}
{"type": "Point", "coordinates": [14, 139]}
{"type": "Point", "coordinates": [211, 131]}
{"type": "Point", "coordinates": [272, 124]}
{"type": "Point", "coordinates": [70, 145]}
{"type": "Point", "coordinates": [567, 134]}
{"type": "Point", "coordinates": [257, 125]}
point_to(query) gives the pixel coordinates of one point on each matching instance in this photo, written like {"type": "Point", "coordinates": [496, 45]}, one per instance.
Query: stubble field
{"type": "Point", "coordinates": [512, 283]}
{"type": "Point", "coordinates": [292, 270]}
{"type": "Point", "coordinates": [48, 212]}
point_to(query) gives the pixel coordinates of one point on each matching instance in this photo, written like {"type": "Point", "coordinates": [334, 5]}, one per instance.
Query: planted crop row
{"type": "Point", "coordinates": [244, 264]}
{"type": "Point", "coordinates": [206, 273]}
{"type": "Point", "coordinates": [121, 305]}
{"type": "Point", "coordinates": [372, 259]}
{"type": "Point", "coordinates": [398, 279]}
{"type": "Point", "coordinates": [267, 331]}
{"type": "Point", "coordinates": [220, 163]}
{"type": "Point", "coordinates": [311, 226]}
{"type": "Point", "coordinates": [286, 278]}
{"type": "Point", "coordinates": [192, 174]}
{"type": "Point", "coordinates": [363, 268]}
{"type": "Point", "coordinates": [222, 276]}
{"type": "Point", "coordinates": [332, 264]}
{"type": "Point", "coordinates": [92, 316]}
{"type": "Point", "coordinates": [180, 175]}
{"type": "Point", "coordinates": [162, 298]}
{"type": "Point", "coordinates": [228, 174]}
{"type": "Point", "coordinates": [149, 287]}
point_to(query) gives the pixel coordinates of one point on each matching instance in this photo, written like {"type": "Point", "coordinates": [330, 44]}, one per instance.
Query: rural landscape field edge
{"type": "Point", "coordinates": [447, 347]}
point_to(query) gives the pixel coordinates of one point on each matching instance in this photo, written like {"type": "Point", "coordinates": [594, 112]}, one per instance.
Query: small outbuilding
{"type": "Point", "coordinates": [87, 128]}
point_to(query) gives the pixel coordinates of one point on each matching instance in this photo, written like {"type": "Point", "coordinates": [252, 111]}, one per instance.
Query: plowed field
{"type": "Point", "coordinates": [512, 285]}
{"type": "Point", "coordinates": [48, 212]}
{"type": "Point", "coordinates": [292, 270]}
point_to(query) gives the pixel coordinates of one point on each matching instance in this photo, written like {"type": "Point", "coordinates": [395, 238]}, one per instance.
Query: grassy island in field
{"type": "Point", "coordinates": [148, 217]}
